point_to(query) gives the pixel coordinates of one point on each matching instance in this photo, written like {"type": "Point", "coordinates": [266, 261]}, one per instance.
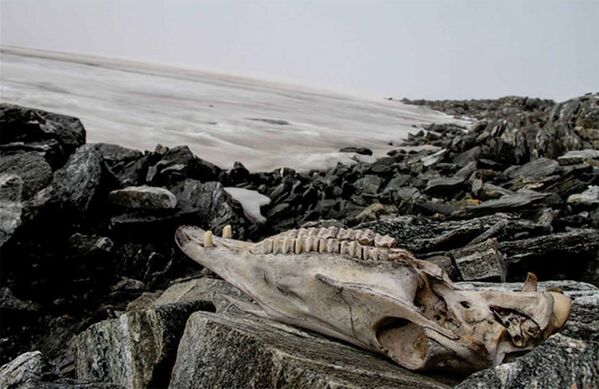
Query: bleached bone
{"type": "Point", "coordinates": [358, 287]}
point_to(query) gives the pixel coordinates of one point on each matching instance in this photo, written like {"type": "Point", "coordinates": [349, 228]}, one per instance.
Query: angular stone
{"type": "Point", "coordinates": [507, 203]}
{"type": "Point", "coordinates": [219, 351]}
{"type": "Point", "coordinates": [31, 167]}
{"type": "Point", "coordinates": [588, 197]}
{"type": "Point", "coordinates": [11, 207]}
{"type": "Point", "coordinates": [217, 291]}
{"type": "Point", "coordinates": [125, 166]}
{"type": "Point", "coordinates": [534, 170]}
{"type": "Point", "coordinates": [178, 163]}
{"type": "Point", "coordinates": [369, 184]}
{"type": "Point", "coordinates": [143, 197]}
{"type": "Point", "coordinates": [136, 350]}
{"type": "Point", "coordinates": [560, 362]}
{"type": "Point", "coordinates": [444, 184]}
{"type": "Point", "coordinates": [482, 261]}
{"type": "Point", "coordinates": [31, 371]}
{"type": "Point", "coordinates": [75, 186]}
{"type": "Point", "coordinates": [28, 125]}
{"type": "Point", "coordinates": [211, 206]}
{"type": "Point", "coordinates": [578, 156]}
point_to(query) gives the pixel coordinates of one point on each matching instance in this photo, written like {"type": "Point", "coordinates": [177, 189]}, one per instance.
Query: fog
{"type": "Point", "coordinates": [416, 49]}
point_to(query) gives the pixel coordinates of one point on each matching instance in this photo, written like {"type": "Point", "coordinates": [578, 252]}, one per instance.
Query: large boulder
{"type": "Point", "coordinates": [178, 163]}
{"type": "Point", "coordinates": [220, 351]}
{"type": "Point", "coordinates": [31, 370]}
{"type": "Point", "coordinates": [136, 350]}
{"type": "Point", "coordinates": [125, 167]}
{"type": "Point", "coordinates": [26, 129]}
{"type": "Point", "coordinates": [33, 169]}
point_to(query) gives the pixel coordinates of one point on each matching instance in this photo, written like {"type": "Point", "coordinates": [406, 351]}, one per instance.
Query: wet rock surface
{"type": "Point", "coordinates": [82, 245]}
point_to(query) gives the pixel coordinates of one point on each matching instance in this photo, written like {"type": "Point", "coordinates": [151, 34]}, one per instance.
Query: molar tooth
{"type": "Point", "coordinates": [384, 241]}
{"type": "Point", "coordinates": [227, 231]}
{"type": "Point", "coordinates": [277, 246]}
{"type": "Point", "coordinates": [313, 232]}
{"type": "Point", "coordinates": [298, 245]}
{"type": "Point", "coordinates": [267, 246]}
{"type": "Point", "coordinates": [332, 246]}
{"type": "Point", "coordinates": [322, 245]}
{"type": "Point", "coordinates": [383, 254]}
{"type": "Point", "coordinates": [307, 245]}
{"type": "Point", "coordinates": [288, 245]}
{"type": "Point", "coordinates": [344, 248]}
{"type": "Point", "coordinates": [208, 239]}
{"type": "Point", "coordinates": [365, 237]}
{"type": "Point", "coordinates": [343, 234]}
{"type": "Point", "coordinates": [358, 254]}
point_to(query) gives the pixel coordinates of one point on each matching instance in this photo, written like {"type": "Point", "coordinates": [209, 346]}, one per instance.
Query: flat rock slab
{"type": "Point", "coordinates": [219, 351]}
{"type": "Point", "coordinates": [482, 261]}
{"type": "Point", "coordinates": [143, 197]}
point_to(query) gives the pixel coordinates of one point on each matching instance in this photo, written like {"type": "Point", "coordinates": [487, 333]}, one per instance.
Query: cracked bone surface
{"type": "Point", "coordinates": [355, 285]}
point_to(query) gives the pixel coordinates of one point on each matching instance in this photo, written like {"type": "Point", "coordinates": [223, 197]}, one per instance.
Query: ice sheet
{"type": "Point", "coordinates": [140, 105]}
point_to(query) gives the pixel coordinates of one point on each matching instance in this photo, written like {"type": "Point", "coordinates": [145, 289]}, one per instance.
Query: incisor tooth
{"type": "Point", "coordinates": [208, 240]}
{"type": "Point", "coordinates": [227, 232]}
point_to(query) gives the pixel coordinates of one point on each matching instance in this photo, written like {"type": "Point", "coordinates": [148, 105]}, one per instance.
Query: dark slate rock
{"type": "Point", "coordinates": [510, 203]}
{"type": "Point", "coordinates": [534, 170]}
{"type": "Point", "coordinates": [357, 150]}
{"type": "Point", "coordinates": [27, 125]}
{"type": "Point", "coordinates": [578, 156]}
{"type": "Point", "coordinates": [143, 197]}
{"type": "Point", "coordinates": [126, 167]}
{"type": "Point", "coordinates": [482, 261]}
{"type": "Point", "coordinates": [444, 185]}
{"type": "Point", "coordinates": [178, 163]}
{"type": "Point", "coordinates": [76, 185]}
{"type": "Point", "coordinates": [33, 169]}
{"type": "Point", "coordinates": [369, 184]}
{"type": "Point", "coordinates": [136, 350]}
{"type": "Point", "coordinates": [566, 254]}
{"type": "Point", "coordinates": [467, 156]}
{"type": "Point", "coordinates": [11, 206]}
{"type": "Point", "coordinates": [210, 206]}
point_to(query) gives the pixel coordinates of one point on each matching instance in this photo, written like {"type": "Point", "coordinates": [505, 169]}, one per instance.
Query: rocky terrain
{"type": "Point", "coordinates": [95, 294]}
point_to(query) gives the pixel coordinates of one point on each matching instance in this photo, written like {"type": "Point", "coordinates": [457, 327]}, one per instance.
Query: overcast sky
{"type": "Point", "coordinates": [418, 49]}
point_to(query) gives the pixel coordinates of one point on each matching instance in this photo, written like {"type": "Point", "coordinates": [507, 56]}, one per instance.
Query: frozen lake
{"type": "Point", "coordinates": [221, 118]}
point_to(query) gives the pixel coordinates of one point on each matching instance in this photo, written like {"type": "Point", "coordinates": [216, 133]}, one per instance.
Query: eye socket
{"type": "Point", "coordinates": [465, 304]}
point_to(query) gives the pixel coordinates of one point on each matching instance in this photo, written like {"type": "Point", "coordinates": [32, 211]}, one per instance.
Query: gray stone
{"type": "Point", "coordinates": [219, 351]}
{"type": "Point", "coordinates": [508, 203]}
{"type": "Point", "coordinates": [369, 184]}
{"type": "Point", "coordinates": [32, 371]}
{"type": "Point", "coordinates": [534, 170]}
{"type": "Point", "coordinates": [433, 158]}
{"type": "Point", "coordinates": [11, 207]}
{"type": "Point", "coordinates": [357, 150]}
{"type": "Point", "coordinates": [76, 185]}
{"type": "Point", "coordinates": [136, 350]}
{"type": "Point", "coordinates": [578, 156]}
{"type": "Point", "coordinates": [217, 291]}
{"type": "Point", "coordinates": [588, 197]}
{"type": "Point", "coordinates": [211, 205]}
{"type": "Point", "coordinates": [444, 184]}
{"type": "Point", "coordinates": [143, 197]}
{"type": "Point", "coordinates": [482, 261]}
{"type": "Point", "coordinates": [560, 362]}
{"type": "Point", "coordinates": [33, 169]}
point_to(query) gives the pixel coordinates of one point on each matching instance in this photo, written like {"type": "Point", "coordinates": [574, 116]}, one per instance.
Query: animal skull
{"type": "Point", "coordinates": [355, 285]}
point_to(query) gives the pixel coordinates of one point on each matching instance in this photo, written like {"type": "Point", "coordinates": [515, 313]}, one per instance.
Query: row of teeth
{"type": "Point", "coordinates": [307, 240]}
{"type": "Point", "coordinates": [309, 244]}
{"type": "Point", "coordinates": [364, 237]}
